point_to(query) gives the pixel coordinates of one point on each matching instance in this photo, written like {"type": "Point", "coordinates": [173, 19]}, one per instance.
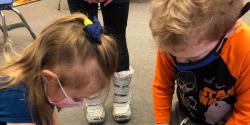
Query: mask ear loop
{"type": "Point", "coordinates": [65, 94]}
{"type": "Point", "coordinates": [55, 108]}
{"type": "Point", "coordinates": [59, 83]}
{"type": "Point", "coordinates": [243, 11]}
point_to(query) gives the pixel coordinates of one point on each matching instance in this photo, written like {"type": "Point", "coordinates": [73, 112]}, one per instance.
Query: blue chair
{"type": "Point", "coordinates": [8, 5]}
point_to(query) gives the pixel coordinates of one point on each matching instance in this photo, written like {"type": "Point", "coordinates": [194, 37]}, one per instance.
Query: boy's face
{"type": "Point", "coordinates": [186, 53]}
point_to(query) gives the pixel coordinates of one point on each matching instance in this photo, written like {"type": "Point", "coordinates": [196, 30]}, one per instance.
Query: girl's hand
{"type": "Point", "coordinates": [54, 118]}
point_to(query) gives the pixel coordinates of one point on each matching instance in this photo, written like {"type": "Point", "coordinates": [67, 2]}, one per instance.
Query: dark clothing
{"type": "Point", "coordinates": [115, 16]}
{"type": "Point", "coordinates": [120, 1]}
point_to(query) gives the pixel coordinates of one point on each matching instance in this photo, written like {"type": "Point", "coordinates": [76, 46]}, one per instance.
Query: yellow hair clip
{"type": "Point", "coordinates": [87, 22]}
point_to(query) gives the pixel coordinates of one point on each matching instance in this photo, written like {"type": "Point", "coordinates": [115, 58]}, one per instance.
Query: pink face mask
{"type": "Point", "coordinates": [67, 102]}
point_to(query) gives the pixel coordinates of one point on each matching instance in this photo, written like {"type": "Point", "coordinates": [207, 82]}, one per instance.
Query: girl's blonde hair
{"type": "Point", "coordinates": [60, 44]}
{"type": "Point", "coordinates": [174, 22]}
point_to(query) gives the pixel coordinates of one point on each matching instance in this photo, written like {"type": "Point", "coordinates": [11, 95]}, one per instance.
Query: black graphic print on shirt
{"type": "Point", "coordinates": [206, 92]}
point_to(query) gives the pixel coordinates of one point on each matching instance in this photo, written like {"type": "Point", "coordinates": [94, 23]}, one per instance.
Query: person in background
{"type": "Point", "coordinates": [115, 16]}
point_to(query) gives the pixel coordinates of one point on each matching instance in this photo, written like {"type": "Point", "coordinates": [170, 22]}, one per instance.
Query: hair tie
{"type": "Point", "coordinates": [94, 29]}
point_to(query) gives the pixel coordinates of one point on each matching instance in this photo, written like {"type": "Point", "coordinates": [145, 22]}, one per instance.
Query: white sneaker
{"type": "Point", "coordinates": [122, 111]}
{"type": "Point", "coordinates": [122, 96]}
{"type": "Point", "coordinates": [95, 112]}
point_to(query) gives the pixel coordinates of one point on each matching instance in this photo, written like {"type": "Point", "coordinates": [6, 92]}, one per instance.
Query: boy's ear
{"type": "Point", "coordinates": [48, 76]}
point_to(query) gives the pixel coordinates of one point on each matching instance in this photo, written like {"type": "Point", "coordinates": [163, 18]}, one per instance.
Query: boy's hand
{"type": "Point", "coordinates": [163, 124]}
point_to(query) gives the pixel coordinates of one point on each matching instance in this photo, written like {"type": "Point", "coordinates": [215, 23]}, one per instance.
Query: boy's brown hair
{"type": "Point", "coordinates": [175, 22]}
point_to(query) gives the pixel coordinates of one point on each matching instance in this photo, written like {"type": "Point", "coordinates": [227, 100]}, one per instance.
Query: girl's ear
{"type": "Point", "coordinates": [48, 76]}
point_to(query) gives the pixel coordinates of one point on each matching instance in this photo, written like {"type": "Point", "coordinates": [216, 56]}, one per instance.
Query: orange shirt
{"type": "Point", "coordinates": [235, 55]}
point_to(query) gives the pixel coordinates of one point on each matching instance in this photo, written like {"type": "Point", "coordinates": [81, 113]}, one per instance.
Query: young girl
{"type": "Point", "coordinates": [70, 60]}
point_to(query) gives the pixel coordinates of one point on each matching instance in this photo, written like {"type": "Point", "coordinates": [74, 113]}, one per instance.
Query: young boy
{"type": "Point", "coordinates": [205, 51]}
